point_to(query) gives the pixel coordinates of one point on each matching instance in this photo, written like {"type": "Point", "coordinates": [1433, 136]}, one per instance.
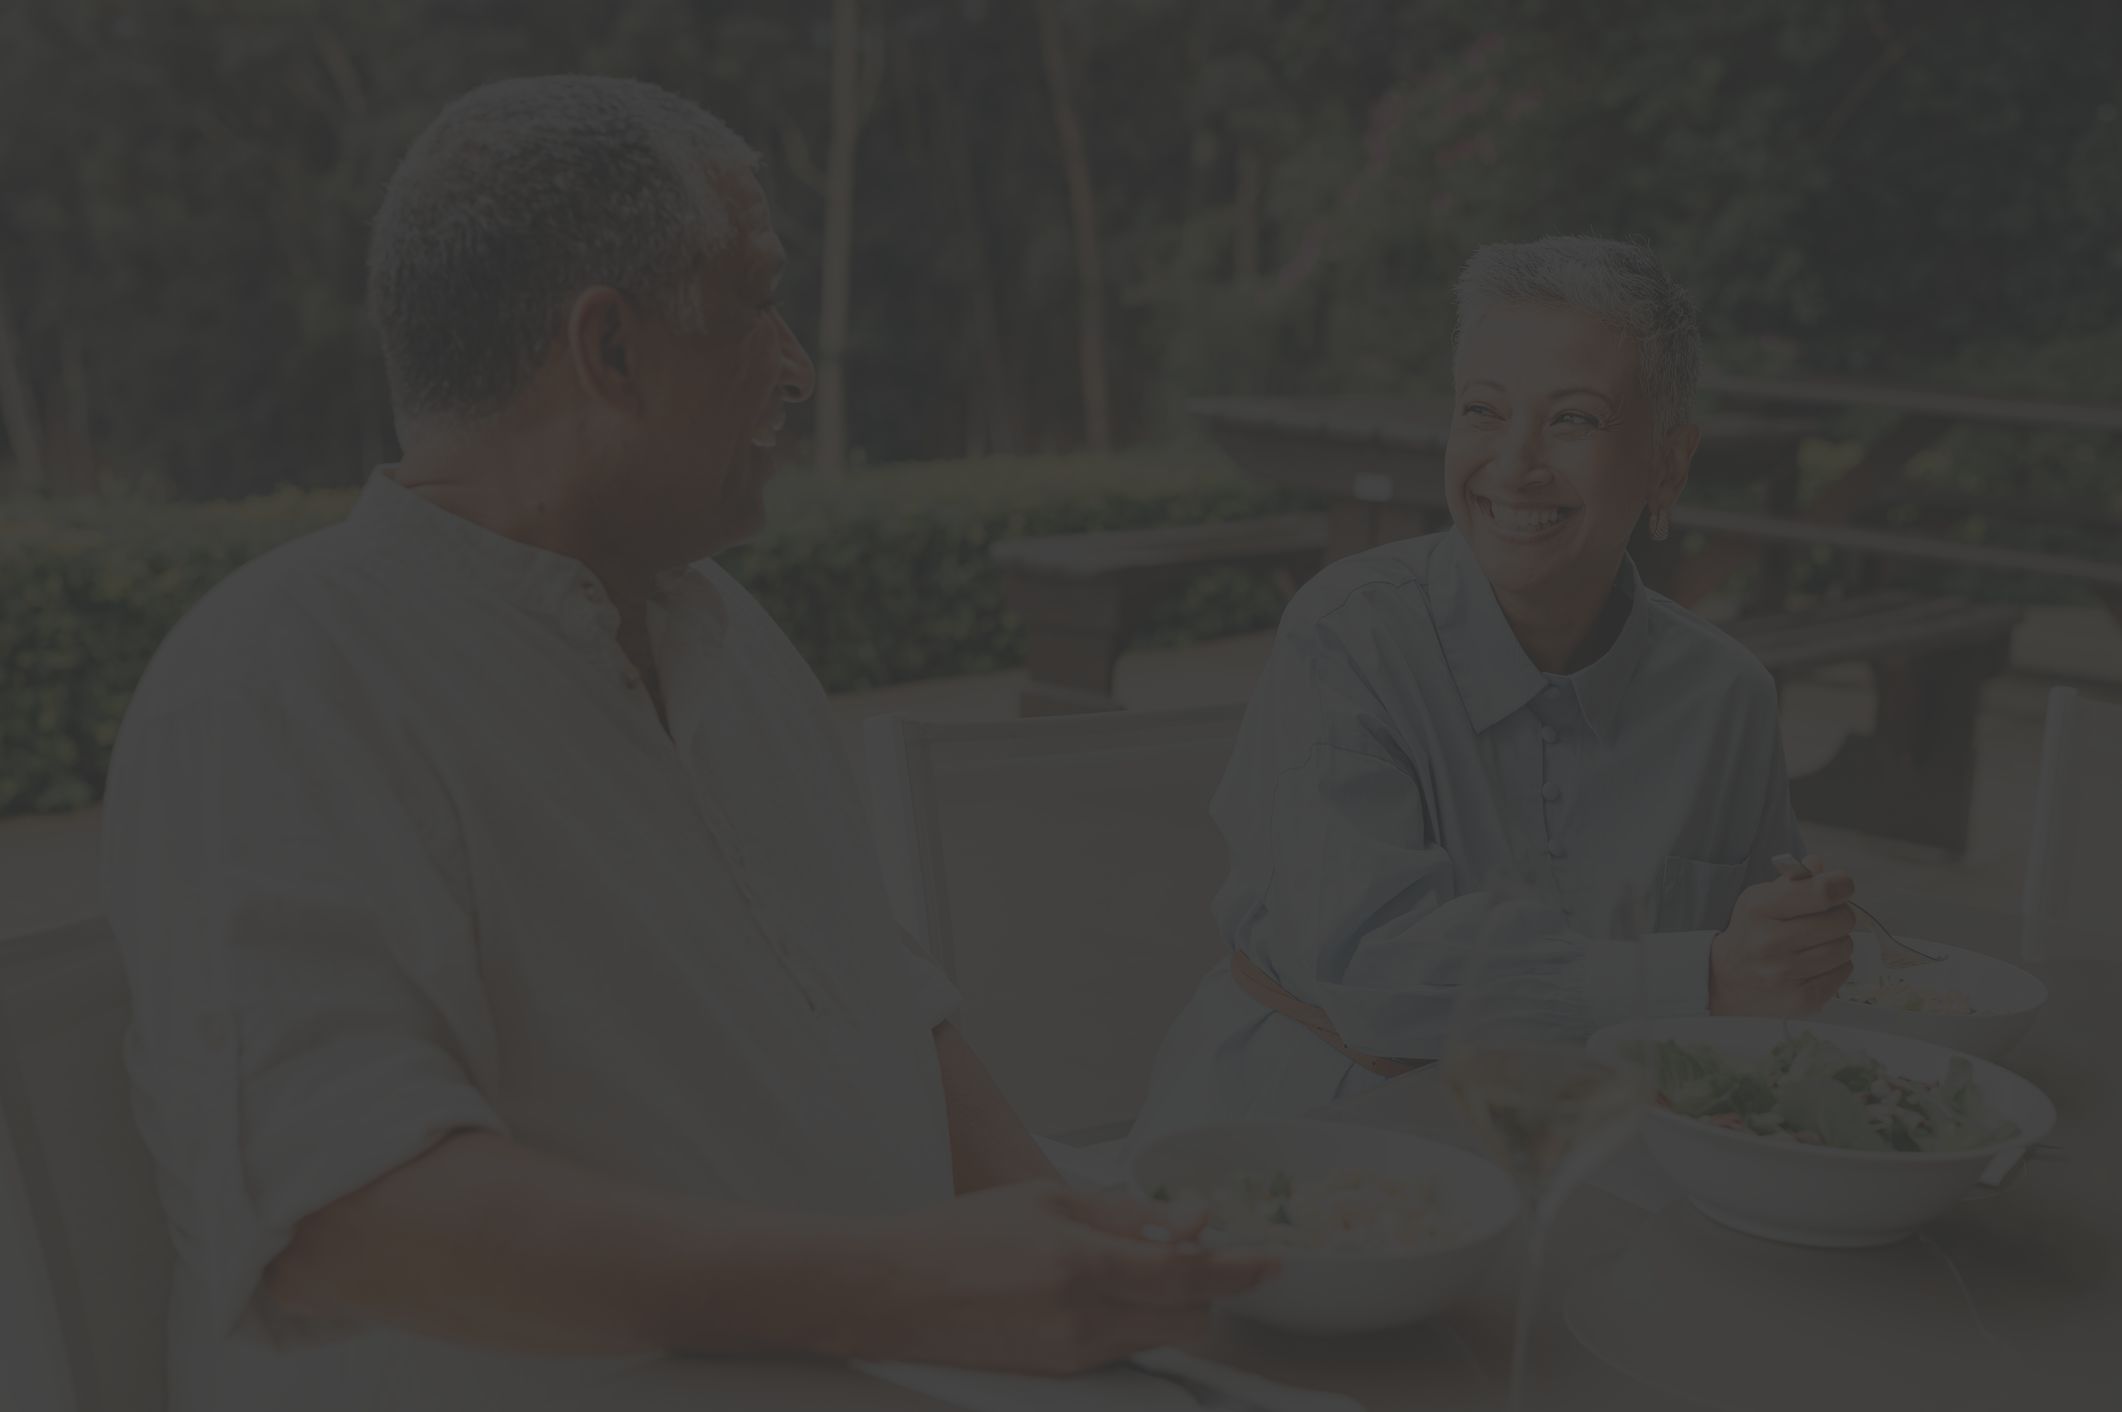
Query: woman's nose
{"type": "Point", "coordinates": [1522, 459]}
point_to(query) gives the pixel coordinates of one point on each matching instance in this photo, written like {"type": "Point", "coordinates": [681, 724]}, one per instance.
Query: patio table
{"type": "Point", "coordinates": [2013, 1300]}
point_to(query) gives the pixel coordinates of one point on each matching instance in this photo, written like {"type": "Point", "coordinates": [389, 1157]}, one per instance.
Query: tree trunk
{"type": "Point", "coordinates": [991, 418]}
{"type": "Point", "coordinates": [74, 458]}
{"type": "Point", "coordinates": [18, 405]}
{"type": "Point", "coordinates": [1090, 274]}
{"type": "Point", "coordinates": [839, 237]}
{"type": "Point", "coordinates": [1245, 247]}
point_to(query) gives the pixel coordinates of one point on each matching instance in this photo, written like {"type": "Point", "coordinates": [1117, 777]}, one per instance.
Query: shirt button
{"type": "Point", "coordinates": [631, 677]}
{"type": "Point", "coordinates": [1551, 791]}
{"type": "Point", "coordinates": [213, 1034]}
{"type": "Point", "coordinates": [1550, 734]}
{"type": "Point", "coordinates": [1555, 849]}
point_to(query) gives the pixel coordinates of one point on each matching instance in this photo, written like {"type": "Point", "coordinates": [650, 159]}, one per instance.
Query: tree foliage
{"type": "Point", "coordinates": [1283, 189]}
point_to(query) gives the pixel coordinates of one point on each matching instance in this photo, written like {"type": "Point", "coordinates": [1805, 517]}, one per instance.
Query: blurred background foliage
{"type": "Point", "coordinates": [1280, 190]}
{"type": "Point", "coordinates": [1283, 189]}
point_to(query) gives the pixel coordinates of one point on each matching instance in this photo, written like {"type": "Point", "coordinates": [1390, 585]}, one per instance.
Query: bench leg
{"type": "Point", "coordinates": [1074, 632]}
{"type": "Point", "coordinates": [1913, 777]}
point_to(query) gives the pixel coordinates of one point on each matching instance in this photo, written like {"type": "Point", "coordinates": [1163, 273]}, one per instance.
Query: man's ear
{"type": "Point", "coordinates": [603, 333]}
{"type": "Point", "coordinates": [1676, 458]}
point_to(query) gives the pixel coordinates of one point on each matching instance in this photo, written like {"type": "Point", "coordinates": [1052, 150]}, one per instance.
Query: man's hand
{"type": "Point", "coordinates": [1788, 946]}
{"type": "Point", "coordinates": [1043, 1279]}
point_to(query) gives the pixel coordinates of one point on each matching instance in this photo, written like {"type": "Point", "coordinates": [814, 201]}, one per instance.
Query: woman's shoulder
{"type": "Point", "coordinates": [1695, 648]}
{"type": "Point", "coordinates": [1388, 579]}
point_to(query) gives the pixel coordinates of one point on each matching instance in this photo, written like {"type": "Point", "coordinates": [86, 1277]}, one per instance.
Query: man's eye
{"type": "Point", "coordinates": [1582, 418]}
{"type": "Point", "coordinates": [1478, 409]}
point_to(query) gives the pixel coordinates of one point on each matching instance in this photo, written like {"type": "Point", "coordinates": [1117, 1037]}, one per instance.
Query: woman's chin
{"type": "Point", "coordinates": [1518, 565]}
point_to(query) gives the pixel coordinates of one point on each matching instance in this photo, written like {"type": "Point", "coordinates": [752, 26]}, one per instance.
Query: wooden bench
{"type": "Point", "coordinates": [1913, 775]}
{"type": "Point", "coordinates": [1081, 596]}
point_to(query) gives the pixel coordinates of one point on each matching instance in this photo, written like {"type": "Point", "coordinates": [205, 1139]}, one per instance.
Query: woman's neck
{"type": "Point", "coordinates": [1565, 633]}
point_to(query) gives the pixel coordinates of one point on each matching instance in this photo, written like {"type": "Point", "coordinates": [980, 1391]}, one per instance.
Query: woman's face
{"type": "Point", "coordinates": [1553, 454]}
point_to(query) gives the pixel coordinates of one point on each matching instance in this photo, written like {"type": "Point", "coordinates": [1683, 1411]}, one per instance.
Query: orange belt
{"type": "Point", "coordinates": [1264, 988]}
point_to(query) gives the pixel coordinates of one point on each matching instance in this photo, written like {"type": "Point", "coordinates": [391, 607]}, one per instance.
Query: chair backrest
{"type": "Point", "coordinates": [1060, 870]}
{"type": "Point", "coordinates": [84, 1252]}
{"type": "Point", "coordinates": [2076, 848]}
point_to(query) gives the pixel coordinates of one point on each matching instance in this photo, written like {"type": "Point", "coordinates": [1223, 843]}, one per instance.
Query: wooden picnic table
{"type": "Point", "coordinates": [1941, 405]}
{"type": "Point", "coordinates": [1878, 480]}
{"type": "Point", "coordinates": [1651, 1307]}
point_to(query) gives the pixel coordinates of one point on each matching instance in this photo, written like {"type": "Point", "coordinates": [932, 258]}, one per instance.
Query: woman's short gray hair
{"type": "Point", "coordinates": [1618, 281]}
{"type": "Point", "coordinates": [520, 195]}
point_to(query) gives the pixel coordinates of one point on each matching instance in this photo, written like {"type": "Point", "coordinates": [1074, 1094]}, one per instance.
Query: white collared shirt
{"type": "Point", "coordinates": [1401, 754]}
{"type": "Point", "coordinates": [395, 845]}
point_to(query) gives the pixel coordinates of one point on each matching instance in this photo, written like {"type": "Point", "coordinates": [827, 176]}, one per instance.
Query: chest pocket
{"type": "Point", "coordinates": [1694, 895]}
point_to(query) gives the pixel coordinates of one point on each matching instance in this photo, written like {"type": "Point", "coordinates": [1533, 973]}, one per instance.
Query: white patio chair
{"type": "Point", "coordinates": [2074, 858]}
{"type": "Point", "coordinates": [1060, 870]}
{"type": "Point", "coordinates": [84, 1253]}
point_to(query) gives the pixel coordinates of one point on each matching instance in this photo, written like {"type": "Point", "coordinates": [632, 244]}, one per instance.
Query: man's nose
{"type": "Point", "coordinates": [798, 375]}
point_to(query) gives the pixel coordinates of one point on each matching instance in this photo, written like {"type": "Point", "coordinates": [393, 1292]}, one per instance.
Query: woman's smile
{"type": "Point", "coordinates": [1521, 523]}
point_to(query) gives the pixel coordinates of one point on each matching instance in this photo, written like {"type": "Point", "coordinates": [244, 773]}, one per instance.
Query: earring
{"type": "Point", "coordinates": [1661, 524]}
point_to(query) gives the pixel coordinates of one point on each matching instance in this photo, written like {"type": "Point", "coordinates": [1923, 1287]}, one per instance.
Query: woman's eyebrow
{"type": "Point", "coordinates": [1586, 391]}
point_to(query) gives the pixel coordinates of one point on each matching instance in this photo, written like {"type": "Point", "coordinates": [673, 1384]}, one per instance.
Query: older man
{"type": "Point", "coordinates": [512, 977]}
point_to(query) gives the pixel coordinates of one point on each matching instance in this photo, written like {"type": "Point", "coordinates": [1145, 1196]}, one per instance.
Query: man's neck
{"type": "Point", "coordinates": [1566, 632]}
{"type": "Point", "coordinates": [504, 485]}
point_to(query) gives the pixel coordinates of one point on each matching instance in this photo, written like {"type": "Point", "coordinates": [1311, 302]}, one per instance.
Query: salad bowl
{"type": "Point", "coordinates": [1822, 1134]}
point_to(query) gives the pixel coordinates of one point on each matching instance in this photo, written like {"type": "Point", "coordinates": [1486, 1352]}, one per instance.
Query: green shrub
{"type": "Point", "coordinates": [881, 578]}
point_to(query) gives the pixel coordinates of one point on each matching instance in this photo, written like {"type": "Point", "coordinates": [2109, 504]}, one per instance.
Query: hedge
{"type": "Point", "coordinates": [883, 577]}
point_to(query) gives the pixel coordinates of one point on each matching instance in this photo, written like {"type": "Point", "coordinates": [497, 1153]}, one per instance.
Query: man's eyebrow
{"type": "Point", "coordinates": [1587, 391]}
{"type": "Point", "coordinates": [1481, 382]}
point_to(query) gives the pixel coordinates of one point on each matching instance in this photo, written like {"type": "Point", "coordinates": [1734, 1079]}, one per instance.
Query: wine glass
{"type": "Point", "coordinates": [1515, 1061]}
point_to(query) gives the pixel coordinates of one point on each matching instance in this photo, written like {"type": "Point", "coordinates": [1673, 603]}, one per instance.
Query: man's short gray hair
{"type": "Point", "coordinates": [1617, 281]}
{"type": "Point", "coordinates": [520, 195]}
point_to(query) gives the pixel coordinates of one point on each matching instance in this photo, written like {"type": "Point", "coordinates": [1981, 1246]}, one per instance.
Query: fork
{"type": "Point", "coordinates": [1901, 957]}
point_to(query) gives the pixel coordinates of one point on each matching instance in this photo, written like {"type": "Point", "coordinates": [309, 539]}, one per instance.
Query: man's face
{"type": "Point", "coordinates": [713, 412]}
{"type": "Point", "coordinates": [1551, 455]}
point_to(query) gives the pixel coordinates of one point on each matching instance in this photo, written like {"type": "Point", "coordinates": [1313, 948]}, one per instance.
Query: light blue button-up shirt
{"type": "Point", "coordinates": [1401, 755]}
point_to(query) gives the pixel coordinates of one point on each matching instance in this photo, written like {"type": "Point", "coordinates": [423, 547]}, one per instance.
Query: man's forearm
{"type": "Point", "coordinates": [989, 1144]}
{"type": "Point", "coordinates": [483, 1241]}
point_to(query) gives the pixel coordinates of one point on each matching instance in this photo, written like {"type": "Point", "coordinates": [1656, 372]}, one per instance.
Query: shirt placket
{"type": "Point", "coordinates": [1552, 784]}
{"type": "Point", "coordinates": [737, 862]}
{"type": "Point", "coordinates": [758, 893]}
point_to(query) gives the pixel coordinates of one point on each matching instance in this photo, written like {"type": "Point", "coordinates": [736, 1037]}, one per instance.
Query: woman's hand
{"type": "Point", "coordinates": [1788, 946]}
{"type": "Point", "coordinates": [1041, 1279]}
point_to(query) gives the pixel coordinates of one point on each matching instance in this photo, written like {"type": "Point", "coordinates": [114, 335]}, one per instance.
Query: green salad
{"type": "Point", "coordinates": [1807, 1090]}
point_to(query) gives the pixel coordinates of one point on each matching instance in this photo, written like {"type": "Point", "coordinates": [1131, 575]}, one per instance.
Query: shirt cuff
{"type": "Point", "coordinates": [1675, 977]}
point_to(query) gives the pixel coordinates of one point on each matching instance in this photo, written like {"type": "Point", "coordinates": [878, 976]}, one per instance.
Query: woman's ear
{"type": "Point", "coordinates": [604, 345]}
{"type": "Point", "coordinates": [1675, 459]}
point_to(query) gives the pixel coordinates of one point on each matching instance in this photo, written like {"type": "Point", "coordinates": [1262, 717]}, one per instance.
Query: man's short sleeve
{"type": "Point", "coordinates": [307, 1013]}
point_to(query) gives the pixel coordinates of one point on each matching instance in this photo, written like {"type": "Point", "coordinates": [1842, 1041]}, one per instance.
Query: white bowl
{"type": "Point", "coordinates": [1338, 1291]}
{"type": "Point", "coordinates": [1825, 1196]}
{"type": "Point", "coordinates": [2005, 999]}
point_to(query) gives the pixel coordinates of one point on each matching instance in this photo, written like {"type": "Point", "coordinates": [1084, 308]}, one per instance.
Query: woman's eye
{"type": "Point", "coordinates": [1583, 419]}
{"type": "Point", "coordinates": [1478, 409]}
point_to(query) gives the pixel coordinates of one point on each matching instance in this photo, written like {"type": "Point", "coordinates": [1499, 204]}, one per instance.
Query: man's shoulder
{"type": "Point", "coordinates": [255, 625]}
{"type": "Point", "coordinates": [1386, 578]}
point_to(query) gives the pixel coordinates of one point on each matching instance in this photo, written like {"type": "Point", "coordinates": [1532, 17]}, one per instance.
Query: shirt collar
{"type": "Point", "coordinates": [406, 526]}
{"type": "Point", "coordinates": [1494, 676]}
{"type": "Point", "coordinates": [1602, 687]}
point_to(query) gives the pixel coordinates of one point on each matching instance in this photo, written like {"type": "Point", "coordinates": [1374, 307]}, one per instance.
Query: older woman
{"type": "Point", "coordinates": [1505, 699]}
